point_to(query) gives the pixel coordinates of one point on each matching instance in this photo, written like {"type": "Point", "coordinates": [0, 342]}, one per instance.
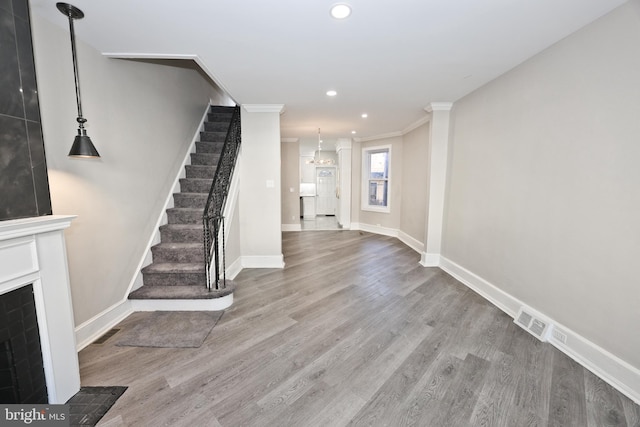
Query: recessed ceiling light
{"type": "Point", "coordinates": [365, 115]}
{"type": "Point", "coordinates": [353, 132]}
{"type": "Point", "coordinates": [331, 93]}
{"type": "Point", "coordinates": [340, 11]}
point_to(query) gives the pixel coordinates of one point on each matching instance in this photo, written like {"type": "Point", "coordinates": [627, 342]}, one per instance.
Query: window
{"type": "Point", "coordinates": [376, 163]}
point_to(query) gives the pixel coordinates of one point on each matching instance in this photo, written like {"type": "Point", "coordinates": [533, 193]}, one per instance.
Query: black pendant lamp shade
{"type": "Point", "coordinates": [82, 145]}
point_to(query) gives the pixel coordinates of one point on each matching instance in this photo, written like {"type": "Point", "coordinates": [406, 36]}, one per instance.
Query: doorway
{"type": "Point", "coordinates": [326, 190]}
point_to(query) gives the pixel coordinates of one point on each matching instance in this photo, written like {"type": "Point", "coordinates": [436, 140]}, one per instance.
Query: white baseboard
{"type": "Point", "coordinates": [413, 243]}
{"type": "Point", "coordinates": [376, 229]}
{"type": "Point", "coordinates": [234, 269]}
{"type": "Point", "coordinates": [215, 304]}
{"type": "Point", "coordinates": [429, 260]}
{"type": "Point", "coordinates": [94, 328]}
{"type": "Point", "coordinates": [291, 227]}
{"type": "Point", "coordinates": [488, 291]}
{"type": "Point", "coordinates": [267, 261]}
{"type": "Point", "coordinates": [616, 372]}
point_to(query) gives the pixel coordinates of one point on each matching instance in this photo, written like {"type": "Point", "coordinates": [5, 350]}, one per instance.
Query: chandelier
{"type": "Point", "coordinates": [317, 158]}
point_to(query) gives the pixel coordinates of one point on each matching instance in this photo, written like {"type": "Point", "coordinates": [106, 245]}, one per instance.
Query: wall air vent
{"type": "Point", "coordinates": [533, 323]}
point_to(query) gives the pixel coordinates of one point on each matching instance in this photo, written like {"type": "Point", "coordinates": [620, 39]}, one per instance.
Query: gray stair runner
{"type": "Point", "coordinates": [178, 270]}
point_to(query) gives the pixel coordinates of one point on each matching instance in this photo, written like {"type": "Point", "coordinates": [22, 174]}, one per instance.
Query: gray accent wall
{"type": "Point", "coordinates": [415, 182]}
{"type": "Point", "coordinates": [290, 158]}
{"type": "Point", "coordinates": [543, 198]}
{"type": "Point", "coordinates": [24, 186]}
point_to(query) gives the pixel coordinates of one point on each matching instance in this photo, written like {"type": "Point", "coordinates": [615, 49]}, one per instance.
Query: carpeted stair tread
{"type": "Point", "coordinates": [194, 200]}
{"type": "Point", "coordinates": [221, 109]}
{"type": "Point", "coordinates": [208, 159]}
{"type": "Point", "coordinates": [200, 171]}
{"type": "Point", "coordinates": [185, 215]}
{"type": "Point", "coordinates": [171, 267]}
{"type": "Point", "coordinates": [178, 252]}
{"type": "Point", "coordinates": [185, 227]}
{"type": "Point", "coordinates": [185, 209]}
{"type": "Point", "coordinates": [216, 126]}
{"type": "Point", "coordinates": [209, 147]}
{"type": "Point", "coordinates": [179, 245]}
{"type": "Point", "coordinates": [213, 136]}
{"type": "Point", "coordinates": [222, 112]}
{"type": "Point", "coordinates": [203, 180]}
{"type": "Point", "coordinates": [219, 117]}
{"type": "Point", "coordinates": [181, 292]}
{"type": "Point", "coordinates": [181, 233]}
{"type": "Point", "coordinates": [196, 185]}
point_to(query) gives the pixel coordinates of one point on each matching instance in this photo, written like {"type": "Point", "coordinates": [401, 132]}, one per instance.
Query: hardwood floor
{"type": "Point", "coordinates": [354, 332]}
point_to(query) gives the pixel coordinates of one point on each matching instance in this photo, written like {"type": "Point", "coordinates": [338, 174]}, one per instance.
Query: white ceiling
{"type": "Point", "coordinates": [388, 59]}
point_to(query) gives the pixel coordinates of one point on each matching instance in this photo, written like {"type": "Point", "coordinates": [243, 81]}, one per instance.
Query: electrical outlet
{"type": "Point", "coordinates": [559, 336]}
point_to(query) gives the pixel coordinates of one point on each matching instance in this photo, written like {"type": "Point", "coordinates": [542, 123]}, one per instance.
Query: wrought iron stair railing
{"type": "Point", "coordinates": [213, 219]}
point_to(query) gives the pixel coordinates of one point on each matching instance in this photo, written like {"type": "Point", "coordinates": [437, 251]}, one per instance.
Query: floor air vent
{"type": "Point", "coordinates": [533, 323]}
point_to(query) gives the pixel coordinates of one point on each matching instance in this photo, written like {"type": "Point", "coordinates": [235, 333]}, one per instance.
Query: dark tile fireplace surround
{"type": "Point", "coordinates": [24, 193]}
{"type": "Point", "coordinates": [24, 187]}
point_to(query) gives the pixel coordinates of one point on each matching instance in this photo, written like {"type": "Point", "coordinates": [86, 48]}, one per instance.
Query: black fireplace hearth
{"type": "Point", "coordinates": [22, 378]}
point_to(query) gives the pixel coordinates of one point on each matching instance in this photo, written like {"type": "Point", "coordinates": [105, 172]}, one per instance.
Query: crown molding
{"type": "Point", "coordinates": [378, 137]}
{"type": "Point", "coordinates": [416, 124]}
{"type": "Point", "coordinates": [343, 144]}
{"type": "Point", "coordinates": [289, 139]}
{"type": "Point", "coordinates": [404, 131]}
{"type": "Point", "coordinates": [438, 106]}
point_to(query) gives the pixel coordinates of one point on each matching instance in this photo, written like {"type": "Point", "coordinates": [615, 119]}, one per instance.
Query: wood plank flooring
{"type": "Point", "coordinates": [354, 332]}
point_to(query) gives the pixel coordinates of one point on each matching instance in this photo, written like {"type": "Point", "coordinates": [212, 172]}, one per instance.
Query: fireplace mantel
{"type": "Point", "coordinates": [32, 251]}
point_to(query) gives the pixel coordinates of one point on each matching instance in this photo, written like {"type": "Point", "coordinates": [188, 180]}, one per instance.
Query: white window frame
{"type": "Point", "coordinates": [366, 162]}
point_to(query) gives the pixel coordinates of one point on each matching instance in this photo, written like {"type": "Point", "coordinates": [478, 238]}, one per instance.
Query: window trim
{"type": "Point", "coordinates": [366, 159]}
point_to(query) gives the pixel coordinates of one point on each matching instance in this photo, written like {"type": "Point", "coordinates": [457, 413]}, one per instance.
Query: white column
{"type": "Point", "coordinates": [343, 149]}
{"type": "Point", "coordinates": [260, 187]}
{"type": "Point", "coordinates": [438, 154]}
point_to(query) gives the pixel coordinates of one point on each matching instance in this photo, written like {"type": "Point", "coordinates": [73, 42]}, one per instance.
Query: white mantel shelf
{"type": "Point", "coordinates": [33, 251]}
{"type": "Point", "coordinates": [14, 228]}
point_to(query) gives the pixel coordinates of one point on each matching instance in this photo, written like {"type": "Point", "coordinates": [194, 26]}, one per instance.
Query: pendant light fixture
{"type": "Point", "coordinates": [82, 145]}
{"type": "Point", "coordinates": [317, 156]}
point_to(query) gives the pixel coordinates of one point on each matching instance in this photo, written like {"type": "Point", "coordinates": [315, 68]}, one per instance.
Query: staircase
{"type": "Point", "coordinates": [178, 268]}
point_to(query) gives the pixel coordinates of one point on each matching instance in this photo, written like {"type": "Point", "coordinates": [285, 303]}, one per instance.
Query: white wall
{"type": "Point", "coordinates": [142, 118]}
{"type": "Point", "coordinates": [543, 198]}
{"type": "Point", "coordinates": [260, 184]}
{"type": "Point", "coordinates": [344, 152]}
{"type": "Point", "coordinates": [232, 249]}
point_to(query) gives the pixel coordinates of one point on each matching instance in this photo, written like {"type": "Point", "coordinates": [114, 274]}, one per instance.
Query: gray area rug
{"type": "Point", "coordinates": [171, 329]}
